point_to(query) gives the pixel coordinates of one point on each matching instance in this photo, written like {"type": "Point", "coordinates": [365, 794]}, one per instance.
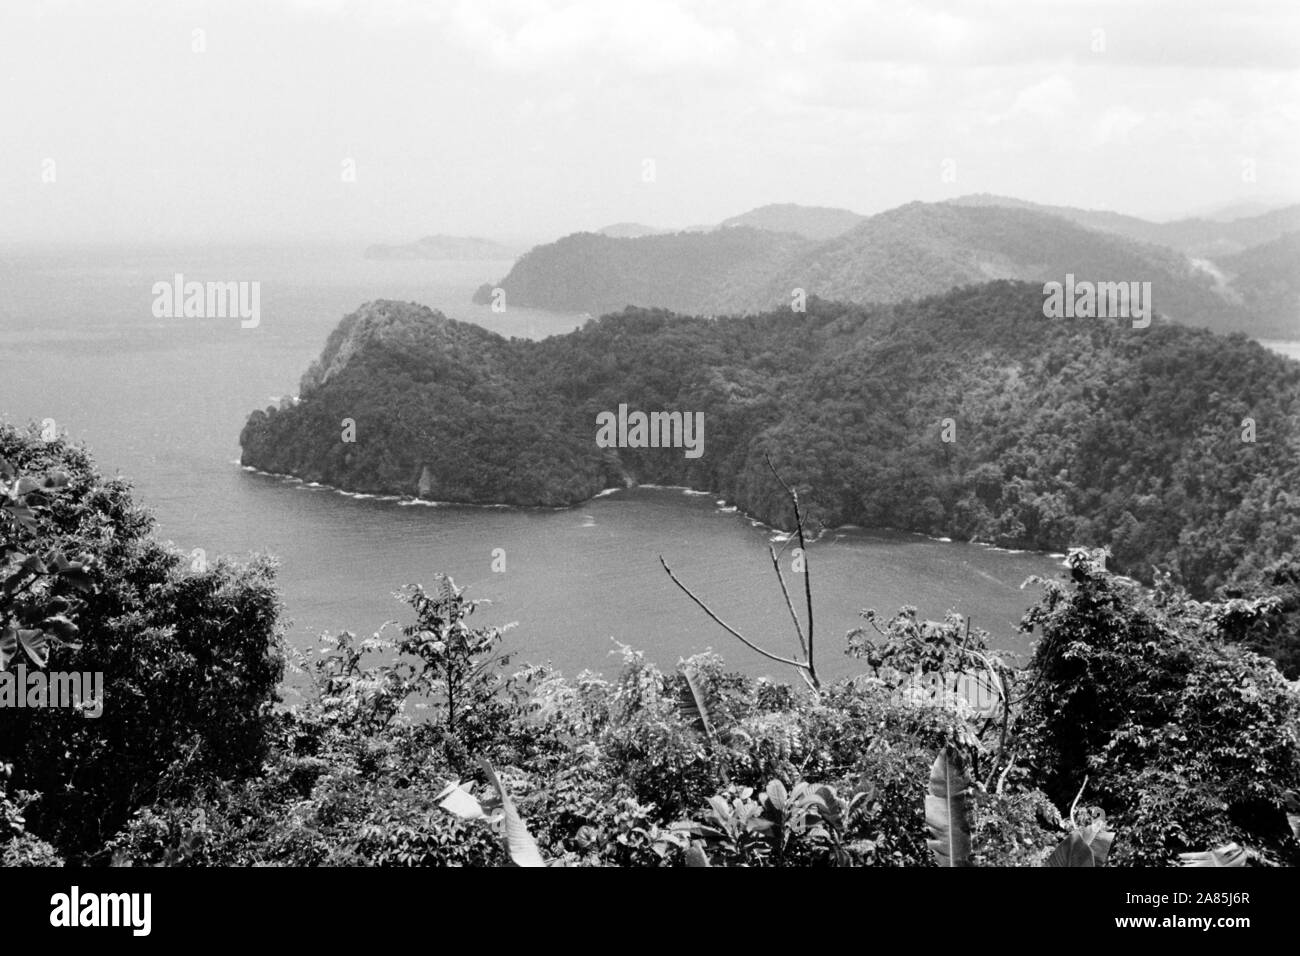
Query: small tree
{"type": "Point", "coordinates": [452, 664]}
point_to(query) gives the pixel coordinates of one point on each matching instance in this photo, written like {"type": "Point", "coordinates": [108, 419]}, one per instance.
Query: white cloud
{"type": "Point", "coordinates": [1049, 99]}
{"type": "Point", "coordinates": [649, 36]}
{"type": "Point", "coordinates": [1115, 125]}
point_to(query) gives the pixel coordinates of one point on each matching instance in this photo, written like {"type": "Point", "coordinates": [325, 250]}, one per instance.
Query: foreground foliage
{"type": "Point", "coordinates": [190, 658]}
{"type": "Point", "coordinates": [627, 772]}
{"type": "Point", "coordinates": [1140, 733]}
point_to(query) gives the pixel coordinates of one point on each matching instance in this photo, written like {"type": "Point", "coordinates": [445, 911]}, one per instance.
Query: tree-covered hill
{"type": "Point", "coordinates": [927, 248]}
{"type": "Point", "coordinates": [1267, 277]}
{"type": "Point", "coordinates": [1176, 447]}
{"type": "Point", "coordinates": [1195, 236]}
{"type": "Point", "coordinates": [915, 250]}
{"type": "Point", "coordinates": [700, 272]}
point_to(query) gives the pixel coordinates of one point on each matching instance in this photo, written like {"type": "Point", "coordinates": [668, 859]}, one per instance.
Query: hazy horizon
{"type": "Point", "coordinates": [524, 120]}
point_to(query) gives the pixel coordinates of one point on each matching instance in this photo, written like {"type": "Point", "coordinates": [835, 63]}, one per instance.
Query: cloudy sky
{"type": "Point", "coordinates": [383, 120]}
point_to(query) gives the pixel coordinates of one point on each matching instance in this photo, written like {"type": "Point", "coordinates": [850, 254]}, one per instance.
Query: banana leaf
{"type": "Point", "coordinates": [519, 842]}
{"type": "Point", "coordinates": [948, 811]}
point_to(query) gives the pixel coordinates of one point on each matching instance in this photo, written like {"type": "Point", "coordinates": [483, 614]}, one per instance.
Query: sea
{"type": "Point", "coordinates": [161, 401]}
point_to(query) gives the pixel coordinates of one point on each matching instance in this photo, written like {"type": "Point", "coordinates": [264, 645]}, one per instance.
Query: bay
{"type": "Point", "coordinates": [162, 401]}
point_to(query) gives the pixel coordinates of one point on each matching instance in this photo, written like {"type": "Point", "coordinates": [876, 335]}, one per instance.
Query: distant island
{"type": "Point", "coordinates": [445, 247]}
{"type": "Point", "coordinates": [968, 415]}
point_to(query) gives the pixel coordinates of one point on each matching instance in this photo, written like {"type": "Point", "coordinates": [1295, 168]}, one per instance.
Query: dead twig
{"type": "Point", "coordinates": [727, 627]}
{"type": "Point", "coordinates": [806, 668]}
{"type": "Point", "coordinates": [798, 628]}
{"type": "Point", "coordinates": [803, 547]}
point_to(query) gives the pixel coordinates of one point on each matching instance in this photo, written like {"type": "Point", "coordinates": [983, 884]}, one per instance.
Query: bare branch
{"type": "Point", "coordinates": [803, 547]}
{"type": "Point", "coordinates": [798, 628]}
{"type": "Point", "coordinates": [727, 627]}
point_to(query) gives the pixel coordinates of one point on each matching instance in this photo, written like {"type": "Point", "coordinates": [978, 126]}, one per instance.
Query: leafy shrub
{"type": "Point", "coordinates": [190, 658]}
{"type": "Point", "coordinates": [1186, 741]}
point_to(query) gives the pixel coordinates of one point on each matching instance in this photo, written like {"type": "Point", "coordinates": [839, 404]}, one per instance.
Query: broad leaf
{"type": "Point", "coordinates": [36, 644]}
{"type": "Point", "coordinates": [694, 708]}
{"type": "Point", "coordinates": [777, 796]}
{"type": "Point", "coordinates": [60, 626]}
{"type": "Point", "coordinates": [948, 811]}
{"type": "Point", "coordinates": [696, 857]}
{"type": "Point", "coordinates": [23, 515]}
{"type": "Point", "coordinates": [519, 842]}
{"type": "Point", "coordinates": [457, 800]}
{"type": "Point", "coordinates": [1230, 854]}
{"type": "Point", "coordinates": [8, 646]}
{"type": "Point", "coordinates": [1073, 851]}
{"type": "Point", "coordinates": [1098, 839]}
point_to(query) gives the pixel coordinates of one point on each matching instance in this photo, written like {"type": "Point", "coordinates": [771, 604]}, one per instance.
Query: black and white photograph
{"type": "Point", "coordinates": [773, 434]}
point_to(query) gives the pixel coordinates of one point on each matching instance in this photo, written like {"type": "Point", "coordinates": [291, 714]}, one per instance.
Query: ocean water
{"type": "Point", "coordinates": [162, 401]}
{"type": "Point", "coordinates": [1289, 349]}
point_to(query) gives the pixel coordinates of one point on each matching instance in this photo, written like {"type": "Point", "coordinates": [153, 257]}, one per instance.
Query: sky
{"type": "Point", "coordinates": [385, 120]}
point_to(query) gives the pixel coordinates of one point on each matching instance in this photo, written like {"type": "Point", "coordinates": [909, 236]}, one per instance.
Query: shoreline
{"type": "Point", "coordinates": [722, 506]}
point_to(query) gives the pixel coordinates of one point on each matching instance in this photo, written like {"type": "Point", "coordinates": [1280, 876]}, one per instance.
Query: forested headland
{"type": "Point", "coordinates": [968, 415]}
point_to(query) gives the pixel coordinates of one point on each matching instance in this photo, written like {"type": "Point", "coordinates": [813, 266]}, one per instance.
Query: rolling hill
{"type": "Point", "coordinates": [1199, 237]}
{"type": "Point", "coordinates": [1267, 278]}
{"type": "Point", "coordinates": [926, 248]}
{"type": "Point", "coordinates": [915, 250]}
{"type": "Point", "coordinates": [811, 222]}
{"type": "Point", "coordinates": [700, 272]}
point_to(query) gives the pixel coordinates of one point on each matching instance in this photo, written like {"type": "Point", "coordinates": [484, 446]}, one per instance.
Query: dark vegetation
{"type": "Point", "coordinates": [190, 659]}
{"type": "Point", "coordinates": [1066, 432]}
{"type": "Point", "coordinates": [1141, 732]}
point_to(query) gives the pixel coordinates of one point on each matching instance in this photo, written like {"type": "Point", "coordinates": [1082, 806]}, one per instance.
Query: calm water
{"type": "Point", "coordinates": [1289, 349]}
{"type": "Point", "coordinates": [162, 401]}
